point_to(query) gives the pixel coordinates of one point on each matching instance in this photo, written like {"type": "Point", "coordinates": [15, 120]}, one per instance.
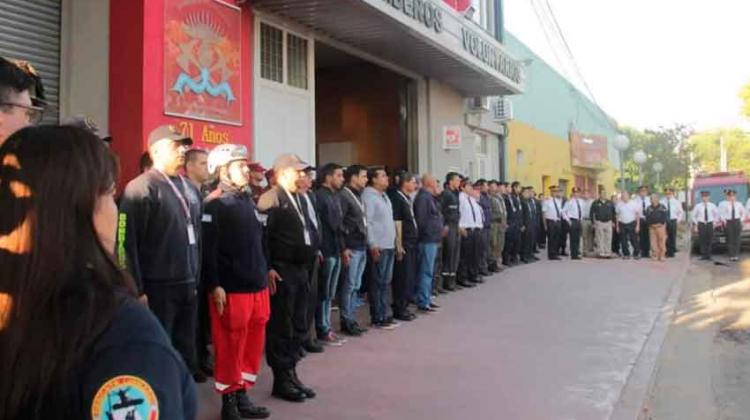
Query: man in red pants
{"type": "Point", "coordinates": [236, 274]}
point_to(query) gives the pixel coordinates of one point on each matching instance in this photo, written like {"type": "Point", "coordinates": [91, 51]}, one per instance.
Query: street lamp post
{"type": "Point", "coordinates": [622, 142]}
{"type": "Point", "coordinates": [639, 157]}
{"type": "Point", "coordinates": [658, 167]}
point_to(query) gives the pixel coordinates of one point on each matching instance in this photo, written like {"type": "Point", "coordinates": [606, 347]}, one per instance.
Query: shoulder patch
{"type": "Point", "coordinates": [125, 397]}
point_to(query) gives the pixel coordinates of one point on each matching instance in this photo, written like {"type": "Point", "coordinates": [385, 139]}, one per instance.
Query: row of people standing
{"type": "Point", "coordinates": [729, 215]}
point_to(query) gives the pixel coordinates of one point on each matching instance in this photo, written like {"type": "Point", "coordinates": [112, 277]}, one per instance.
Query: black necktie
{"type": "Point", "coordinates": [473, 215]}
{"type": "Point", "coordinates": [578, 203]}
{"type": "Point", "coordinates": [557, 209]}
{"type": "Point", "coordinates": [705, 211]}
{"type": "Point", "coordinates": [669, 207]}
{"type": "Point", "coordinates": [643, 204]}
{"type": "Point", "coordinates": [732, 209]}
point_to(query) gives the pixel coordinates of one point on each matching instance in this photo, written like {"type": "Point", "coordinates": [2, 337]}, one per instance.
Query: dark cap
{"type": "Point", "coordinates": [705, 193]}
{"type": "Point", "coordinates": [730, 192]}
{"type": "Point", "coordinates": [256, 167]}
{"type": "Point", "coordinates": [168, 132]}
{"type": "Point", "coordinates": [668, 190]}
{"type": "Point", "coordinates": [554, 188]}
{"type": "Point", "coordinates": [86, 123]}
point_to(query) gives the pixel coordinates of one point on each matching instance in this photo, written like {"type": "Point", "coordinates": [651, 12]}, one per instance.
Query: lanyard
{"type": "Point", "coordinates": [411, 208]}
{"type": "Point", "coordinates": [179, 195]}
{"type": "Point", "coordinates": [354, 196]}
{"type": "Point", "coordinates": [297, 208]}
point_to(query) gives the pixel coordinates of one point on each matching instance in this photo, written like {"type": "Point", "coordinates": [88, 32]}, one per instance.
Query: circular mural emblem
{"type": "Point", "coordinates": [125, 398]}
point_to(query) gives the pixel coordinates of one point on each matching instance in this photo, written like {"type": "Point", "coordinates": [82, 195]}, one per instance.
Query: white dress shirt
{"type": "Point", "coordinates": [574, 209]}
{"type": "Point", "coordinates": [674, 207]}
{"type": "Point", "coordinates": [628, 212]}
{"type": "Point", "coordinates": [725, 211]}
{"type": "Point", "coordinates": [643, 204]}
{"type": "Point", "coordinates": [553, 209]}
{"type": "Point", "coordinates": [586, 207]}
{"type": "Point", "coordinates": [470, 211]}
{"type": "Point", "coordinates": [699, 213]}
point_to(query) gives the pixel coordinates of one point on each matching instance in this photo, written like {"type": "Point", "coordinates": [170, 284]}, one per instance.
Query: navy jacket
{"type": "Point", "coordinates": [484, 202]}
{"type": "Point", "coordinates": [429, 217]}
{"type": "Point", "coordinates": [331, 220]}
{"type": "Point", "coordinates": [449, 207]}
{"type": "Point", "coordinates": [134, 361]}
{"type": "Point", "coordinates": [285, 233]}
{"type": "Point", "coordinates": [156, 235]}
{"type": "Point", "coordinates": [233, 255]}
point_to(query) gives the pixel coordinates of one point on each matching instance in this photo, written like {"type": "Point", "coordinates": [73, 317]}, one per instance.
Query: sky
{"type": "Point", "coordinates": [651, 63]}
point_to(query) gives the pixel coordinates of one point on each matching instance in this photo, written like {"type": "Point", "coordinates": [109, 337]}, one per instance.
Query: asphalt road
{"type": "Point", "coordinates": [551, 340]}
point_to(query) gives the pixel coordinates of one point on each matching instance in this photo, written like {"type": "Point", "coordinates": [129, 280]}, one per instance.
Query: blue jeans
{"type": "Point", "coordinates": [352, 283]}
{"type": "Point", "coordinates": [329, 280]}
{"type": "Point", "coordinates": [425, 275]}
{"type": "Point", "coordinates": [382, 275]}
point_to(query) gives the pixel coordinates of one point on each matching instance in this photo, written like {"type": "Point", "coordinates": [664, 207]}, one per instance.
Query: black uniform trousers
{"type": "Point", "coordinates": [288, 323]}
{"type": "Point", "coordinates": [176, 307]}
{"type": "Point", "coordinates": [512, 243]}
{"type": "Point", "coordinates": [203, 332]}
{"type": "Point", "coordinates": [451, 256]}
{"type": "Point", "coordinates": [437, 277]}
{"type": "Point", "coordinates": [575, 238]}
{"type": "Point", "coordinates": [628, 236]}
{"type": "Point", "coordinates": [312, 300]}
{"type": "Point", "coordinates": [484, 251]}
{"type": "Point", "coordinates": [563, 235]}
{"type": "Point", "coordinates": [404, 279]}
{"type": "Point", "coordinates": [553, 238]}
{"type": "Point", "coordinates": [527, 243]}
{"type": "Point", "coordinates": [705, 238]}
{"type": "Point", "coordinates": [733, 231]}
{"type": "Point", "coordinates": [645, 240]}
{"type": "Point", "coordinates": [468, 269]}
{"type": "Point", "coordinates": [671, 237]}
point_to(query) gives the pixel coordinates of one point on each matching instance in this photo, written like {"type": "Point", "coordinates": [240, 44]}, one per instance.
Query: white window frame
{"type": "Point", "coordinates": [285, 30]}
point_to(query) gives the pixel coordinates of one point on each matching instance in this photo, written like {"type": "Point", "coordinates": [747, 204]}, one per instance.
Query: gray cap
{"type": "Point", "coordinates": [168, 132]}
{"type": "Point", "coordinates": [86, 123]}
{"type": "Point", "coordinates": [289, 160]}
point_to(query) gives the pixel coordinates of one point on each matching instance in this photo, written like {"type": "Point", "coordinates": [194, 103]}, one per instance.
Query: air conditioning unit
{"type": "Point", "coordinates": [502, 109]}
{"type": "Point", "coordinates": [478, 104]}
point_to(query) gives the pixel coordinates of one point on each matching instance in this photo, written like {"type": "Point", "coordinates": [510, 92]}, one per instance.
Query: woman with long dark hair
{"type": "Point", "coordinates": [74, 342]}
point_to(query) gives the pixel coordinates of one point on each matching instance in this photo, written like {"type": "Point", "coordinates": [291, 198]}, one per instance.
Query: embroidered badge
{"type": "Point", "coordinates": [125, 397]}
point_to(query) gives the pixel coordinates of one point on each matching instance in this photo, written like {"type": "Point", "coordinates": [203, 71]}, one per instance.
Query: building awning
{"type": "Point", "coordinates": [423, 36]}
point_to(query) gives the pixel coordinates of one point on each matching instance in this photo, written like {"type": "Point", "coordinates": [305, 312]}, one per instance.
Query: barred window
{"type": "Point", "coordinates": [271, 53]}
{"type": "Point", "coordinates": [297, 59]}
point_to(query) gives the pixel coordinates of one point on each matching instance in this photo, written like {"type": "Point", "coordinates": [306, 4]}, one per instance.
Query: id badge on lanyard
{"type": "Point", "coordinates": [191, 234]}
{"type": "Point", "coordinates": [190, 228]}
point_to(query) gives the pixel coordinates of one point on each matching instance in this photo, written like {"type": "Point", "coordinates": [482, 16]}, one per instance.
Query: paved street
{"type": "Point", "coordinates": [552, 340]}
{"type": "Point", "coordinates": [703, 371]}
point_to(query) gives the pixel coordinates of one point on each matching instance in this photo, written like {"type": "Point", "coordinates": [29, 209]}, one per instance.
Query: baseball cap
{"type": "Point", "coordinates": [705, 193]}
{"type": "Point", "coordinates": [168, 132]}
{"type": "Point", "coordinates": [88, 124]}
{"type": "Point", "coordinates": [256, 167]}
{"type": "Point", "coordinates": [224, 154]}
{"type": "Point", "coordinates": [289, 160]}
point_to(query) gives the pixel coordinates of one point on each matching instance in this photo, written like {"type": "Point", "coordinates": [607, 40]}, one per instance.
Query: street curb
{"type": "Point", "coordinates": [634, 396]}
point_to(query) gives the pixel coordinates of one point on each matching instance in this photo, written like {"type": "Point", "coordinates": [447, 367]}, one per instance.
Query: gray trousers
{"type": "Point", "coordinates": [733, 230]}
{"type": "Point", "coordinates": [603, 238]}
{"type": "Point", "coordinates": [587, 237]}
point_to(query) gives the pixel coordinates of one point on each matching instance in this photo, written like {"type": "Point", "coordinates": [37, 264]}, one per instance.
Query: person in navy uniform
{"type": "Point", "coordinates": [290, 251]}
{"type": "Point", "coordinates": [110, 357]}
{"type": "Point", "coordinates": [452, 239]}
{"type": "Point", "coordinates": [513, 233]}
{"type": "Point", "coordinates": [162, 211]}
{"type": "Point", "coordinates": [235, 275]}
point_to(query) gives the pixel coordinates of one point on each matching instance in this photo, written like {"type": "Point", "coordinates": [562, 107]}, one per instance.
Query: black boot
{"type": "Point", "coordinates": [309, 393]}
{"type": "Point", "coordinates": [247, 409]}
{"type": "Point", "coordinates": [284, 388]}
{"type": "Point", "coordinates": [229, 410]}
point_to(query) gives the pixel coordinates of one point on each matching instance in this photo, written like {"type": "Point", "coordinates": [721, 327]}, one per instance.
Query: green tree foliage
{"type": "Point", "coordinates": [745, 96]}
{"type": "Point", "coordinates": [707, 151]}
{"type": "Point", "coordinates": [669, 146]}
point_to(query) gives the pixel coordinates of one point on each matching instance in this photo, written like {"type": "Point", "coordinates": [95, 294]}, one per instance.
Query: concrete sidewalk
{"type": "Point", "coordinates": [551, 340]}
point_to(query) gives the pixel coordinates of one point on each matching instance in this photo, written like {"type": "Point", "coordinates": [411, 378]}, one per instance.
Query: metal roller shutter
{"type": "Point", "coordinates": [30, 30]}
